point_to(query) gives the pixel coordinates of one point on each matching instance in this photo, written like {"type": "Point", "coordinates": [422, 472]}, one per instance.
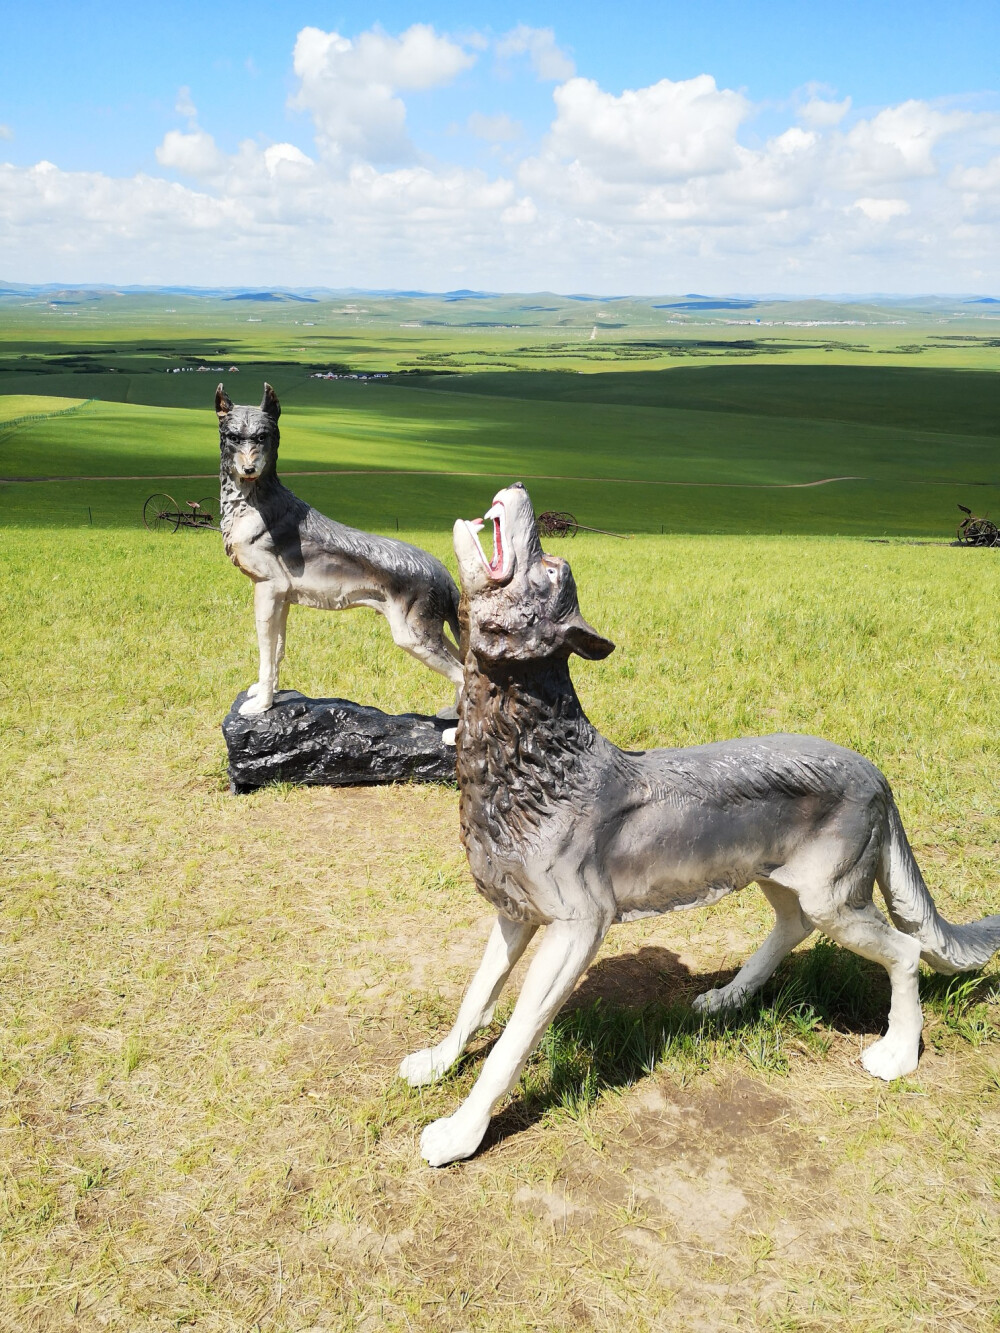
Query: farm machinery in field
{"type": "Point", "coordinates": [974, 531]}
{"type": "Point", "coordinates": [561, 523]}
{"type": "Point", "coordinates": [161, 513]}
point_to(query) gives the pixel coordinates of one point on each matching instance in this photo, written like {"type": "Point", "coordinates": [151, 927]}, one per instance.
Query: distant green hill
{"type": "Point", "coordinates": [700, 426]}
{"type": "Point", "coordinates": [952, 401]}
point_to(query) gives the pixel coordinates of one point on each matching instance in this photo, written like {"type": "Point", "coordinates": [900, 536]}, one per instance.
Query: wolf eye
{"type": "Point", "coordinates": [552, 572]}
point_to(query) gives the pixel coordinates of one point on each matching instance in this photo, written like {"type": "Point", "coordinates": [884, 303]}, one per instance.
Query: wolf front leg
{"type": "Point", "coordinates": [508, 941]}
{"type": "Point", "coordinates": [279, 651]}
{"type": "Point", "coordinates": [790, 929]}
{"type": "Point", "coordinates": [268, 608]}
{"type": "Point", "coordinates": [564, 953]}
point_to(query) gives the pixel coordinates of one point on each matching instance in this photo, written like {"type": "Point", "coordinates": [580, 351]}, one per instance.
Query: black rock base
{"type": "Point", "coordinates": [334, 743]}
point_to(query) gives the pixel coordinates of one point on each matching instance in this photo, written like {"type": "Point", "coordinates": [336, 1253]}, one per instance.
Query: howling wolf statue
{"type": "Point", "coordinates": [293, 553]}
{"type": "Point", "coordinates": [564, 830]}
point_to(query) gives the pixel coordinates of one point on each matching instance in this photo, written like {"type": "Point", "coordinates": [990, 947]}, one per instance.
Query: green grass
{"type": "Point", "coordinates": [713, 429]}
{"type": "Point", "coordinates": [204, 999]}
{"type": "Point", "coordinates": [700, 451]}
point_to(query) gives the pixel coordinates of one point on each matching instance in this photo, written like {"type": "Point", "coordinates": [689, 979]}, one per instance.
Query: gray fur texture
{"type": "Point", "coordinates": [293, 554]}
{"type": "Point", "coordinates": [566, 831]}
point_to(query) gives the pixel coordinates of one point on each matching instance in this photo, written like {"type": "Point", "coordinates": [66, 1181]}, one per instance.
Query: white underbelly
{"type": "Point", "coordinates": [332, 597]}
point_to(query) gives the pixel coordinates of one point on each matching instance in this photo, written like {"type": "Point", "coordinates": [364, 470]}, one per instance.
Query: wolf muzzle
{"type": "Point", "coordinates": [248, 466]}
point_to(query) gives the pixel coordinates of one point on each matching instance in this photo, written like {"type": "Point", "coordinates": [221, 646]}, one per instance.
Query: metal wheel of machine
{"type": "Point", "coordinates": [159, 514]}
{"type": "Point", "coordinates": [557, 523]}
{"type": "Point", "coordinates": [208, 509]}
{"type": "Point", "coordinates": [981, 532]}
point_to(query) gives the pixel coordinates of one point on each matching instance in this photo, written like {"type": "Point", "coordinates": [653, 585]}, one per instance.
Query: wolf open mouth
{"type": "Point", "coordinates": [499, 567]}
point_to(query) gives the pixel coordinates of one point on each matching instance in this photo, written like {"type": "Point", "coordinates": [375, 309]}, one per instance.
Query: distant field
{"type": "Point", "coordinates": [638, 417]}
{"type": "Point", "coordinates": [731, 449]}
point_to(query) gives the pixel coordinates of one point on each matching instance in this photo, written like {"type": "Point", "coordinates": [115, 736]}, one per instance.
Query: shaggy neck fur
{"type": "Point", "coordinates": [523, 747]}
{"type": "Point", "coordinates": [238, 498]}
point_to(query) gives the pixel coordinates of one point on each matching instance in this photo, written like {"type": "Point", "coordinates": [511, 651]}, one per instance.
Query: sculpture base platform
{"type": "Point", "coordinates": [334, 743]}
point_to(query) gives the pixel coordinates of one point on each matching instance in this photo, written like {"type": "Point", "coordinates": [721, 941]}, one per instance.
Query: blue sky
{"type": "Point", "coordinates": [537, 148]}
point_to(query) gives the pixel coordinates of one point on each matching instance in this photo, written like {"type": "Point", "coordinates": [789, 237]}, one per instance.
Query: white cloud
{"type": "Point", "coordinates": [668, 131]}
{"type": "Point", "coordinates": [980, 190]}
{"type": "Point", "coordinates": [494, 129]}
{"type": "Point", "coordinates": [520, 214]}
{"type": "Point", "coordinates": [980, 179]}
{"type": "Point", "coordinates": [193, 154]}
{"type": "Point", "coordinates": [882, 210]}
{"type": "Point", "coordinates": [822, 113]}
{"type": "Point", "coordinates": [898, 143]}
{"type": "Point", "coordinates": [656, 188]}
{"type": "Point", "coordinates": [285, 157]}
{"type": "Point", "coordinates": [548, 60]}
{"type": "Point", "coordinates": [349, 87]}
{"type": "Point", "coordinates": [184, 106]}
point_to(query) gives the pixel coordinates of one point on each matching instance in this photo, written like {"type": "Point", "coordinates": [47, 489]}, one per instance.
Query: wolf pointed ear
{"type": "Point", "coordinates": [269, 403]}
{"type": "Point", "coordinates": [223, 403]}
{"type": "Point", "coordinates": [584, 640]}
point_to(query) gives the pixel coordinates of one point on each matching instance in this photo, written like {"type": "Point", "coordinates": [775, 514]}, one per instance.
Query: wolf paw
{"type": "Point", "coordinates": [448, 736]}
{"type": "Point", "coordinates": [253, 689]}
{"type": "Point", "coordinates": [450, 1139]}
{"type": "Point", "coordinates": [422, 1067]}
{"type": "Point", "coordinates": [715, 1000]}
{"type": "Point", "coordinates": [258, 704]}
{"type": "Point", "coordinates": [890, 1059]}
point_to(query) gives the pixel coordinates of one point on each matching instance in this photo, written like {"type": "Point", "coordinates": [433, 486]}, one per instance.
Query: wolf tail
{"type": "Point", "coordinates": [451, 613]}
{"type": "Point", "coordinates": [944, 947]}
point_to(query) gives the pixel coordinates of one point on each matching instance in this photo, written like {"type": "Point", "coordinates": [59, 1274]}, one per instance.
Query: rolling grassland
{"type": "Point", "coordinates": [736, 448]}
{"type": "Point", "coordinates": [204, 999]}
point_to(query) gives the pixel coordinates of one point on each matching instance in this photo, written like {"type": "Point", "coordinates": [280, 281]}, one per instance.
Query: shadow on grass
{"type": "Point", "coordinates": [631, 1015]}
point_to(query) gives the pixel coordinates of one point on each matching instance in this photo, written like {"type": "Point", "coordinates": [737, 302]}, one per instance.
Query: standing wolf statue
{"type": "Point", "coordinates": [293, 553]}
{"type": "Point", "coordinates": [566, 831]}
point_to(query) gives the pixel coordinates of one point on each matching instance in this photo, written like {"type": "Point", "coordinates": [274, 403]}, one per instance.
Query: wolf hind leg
{"type": "Point", "coordinates": [865, 931]}
{"type": "Point", "coordinates": [424, 641]}
{"type": "Point", "coordinates": [790, 929]}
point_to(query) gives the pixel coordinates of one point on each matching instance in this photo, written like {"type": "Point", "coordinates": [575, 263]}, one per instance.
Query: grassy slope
{"type": "Point", "coordinates": [919, 441]}
{"type": "Point", "coordinates": [204, 1000]}
{"type": "Point", "coordinates": [905, 406]}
